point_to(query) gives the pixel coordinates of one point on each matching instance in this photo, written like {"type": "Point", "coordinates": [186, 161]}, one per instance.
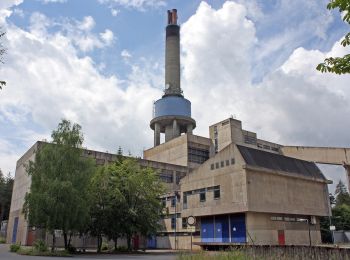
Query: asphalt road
{"type": "Point", "coordinates": [152, 255]}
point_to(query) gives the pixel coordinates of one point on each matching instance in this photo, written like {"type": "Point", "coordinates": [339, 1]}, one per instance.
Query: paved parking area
{"type": "Point", "coordinates": [152, 255]}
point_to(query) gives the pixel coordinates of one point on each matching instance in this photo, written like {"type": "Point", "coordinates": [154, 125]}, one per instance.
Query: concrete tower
{"type": "Point", "coordinates": [172, 113]}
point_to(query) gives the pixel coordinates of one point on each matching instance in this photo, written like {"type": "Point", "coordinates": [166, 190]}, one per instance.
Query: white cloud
{"type": "Point", "coordinates": [107, 36]}
{"type": "Point", "coordinates": [114, 12]}
{"type": "Point", "coordinates": [137, 4]}
{"type": "Point", "coordinates": [293, 105]}
{"type": "Point", "coordinates": [125, 54]}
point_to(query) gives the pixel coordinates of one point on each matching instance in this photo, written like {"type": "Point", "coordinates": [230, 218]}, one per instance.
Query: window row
{"type": "Point", "coordinates": [202, 194]}
{"type": "Point", "coordinates": [222, 164]}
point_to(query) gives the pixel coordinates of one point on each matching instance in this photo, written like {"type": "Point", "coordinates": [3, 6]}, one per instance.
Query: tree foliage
{"type": "Point", "coordinates": [58, 197]}
{"type": "Point", "coordinates": [342, 194]}
{"type": "Point", "coordinates": [338, 65]}
{"type": "Point", "coordinates": [6, 186]}
{"type": "Point", "coordinates": [125, 200]}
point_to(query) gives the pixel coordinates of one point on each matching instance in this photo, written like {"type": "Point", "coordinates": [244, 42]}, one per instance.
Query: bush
{"type": "Point", "coordinates": [2, 240]}
{"type": "Point", "coordinates": [104, 246]}
{"type": "Point", "coordinates": [122, 249]}
{"type": "Point", "coordinates": [71, 249]}
{"type": "Point", "coordinates": [14, 247]}
{"type": "Point", "coordinates": [40, 246]}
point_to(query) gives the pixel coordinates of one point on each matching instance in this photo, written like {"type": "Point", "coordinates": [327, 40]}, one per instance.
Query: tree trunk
{"type": "Point", "coordinates": [53, 241]}
{"type": "Point", "coordinates": [70, 238]}
{"type": "Point", "coordinates": [99, 243]}
{"type": "Point", "coordinates": [115, 244]}
{"type": "Point", "coordinates": [65, 240]}
{"type": "Point", "coordinates": [128, 239]}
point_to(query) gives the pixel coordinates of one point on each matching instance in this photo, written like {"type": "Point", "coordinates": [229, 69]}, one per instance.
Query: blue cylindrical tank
{"type": "Point", "coordinates": [172, 106]}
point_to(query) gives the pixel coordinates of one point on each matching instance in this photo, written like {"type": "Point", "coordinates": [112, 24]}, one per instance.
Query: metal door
{"type": "Point", "coordinates": [281, 238]}
{"type": "Point", "coordinates": [238, 229]}
{"type": "Point", "coordinates": [222, 229]}
{"type": "Point", "coordinates": [207, 229]}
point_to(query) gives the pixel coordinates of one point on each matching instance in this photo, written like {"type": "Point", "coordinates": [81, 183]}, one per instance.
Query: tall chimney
{"type": "Point", "coordinates": [172, 56]}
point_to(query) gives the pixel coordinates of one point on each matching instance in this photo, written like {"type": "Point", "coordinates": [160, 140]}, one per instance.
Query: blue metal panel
{"type": "Point", "coordinates": [172, 106]}
{"type": "Point", "coordinates": [207, 229]}
{"type": "Point", "coordinates": [152, 242]}
{"type": "Point", "coordinates": [222, 229]}
{"type": "Point", "coordinates": [14, 231]}
{"type": "Point", "coordinates": [238, 229]}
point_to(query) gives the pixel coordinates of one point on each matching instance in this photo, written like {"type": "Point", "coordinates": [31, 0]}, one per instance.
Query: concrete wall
{"type": "Point", "coordinates": [231, 179]}
{"type": "Point", "coordinates": [261, 230]}
{"type": "Point", "coordinates": [273, 192]}
{"type": "Point", "coordinates": [20, 187]}
{"type": "Point", "coordinates": [175, 151]}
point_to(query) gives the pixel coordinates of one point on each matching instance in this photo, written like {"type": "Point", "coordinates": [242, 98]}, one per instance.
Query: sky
{"type": "Point", "coordinates": [100, 63]}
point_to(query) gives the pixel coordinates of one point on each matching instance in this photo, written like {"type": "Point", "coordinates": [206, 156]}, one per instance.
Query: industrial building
{"type": "Point", "coordinates": [237, 188]}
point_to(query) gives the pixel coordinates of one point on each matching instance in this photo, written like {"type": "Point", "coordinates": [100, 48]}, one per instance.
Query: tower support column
{"type": "Point", "coordinates": [189, 129]}
{"type": "Point", "coordinates": [156, 134]}
{"type": "Point", "coordinates": [176, 129]}
{"type": "Point", "coordinates": [347, 169]}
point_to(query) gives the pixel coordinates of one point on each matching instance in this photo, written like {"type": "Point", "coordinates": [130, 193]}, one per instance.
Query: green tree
{"type": "Point", "coordinates": [342, 194]}
{"type": "Point", "coordinates": [58, 197]}
{"type": "Point", "coordinates": [6, 186]}
{"type": "Point", "coordinates": [2, 52]}
{"type": "Point", "coordinates": [341, 217]}
{"type": "Point", "coordinates": [338, 65]}
{"type": "Point", "coordinates": [101, 194]}
{"type": "Point", "coordinates": [140, 189]}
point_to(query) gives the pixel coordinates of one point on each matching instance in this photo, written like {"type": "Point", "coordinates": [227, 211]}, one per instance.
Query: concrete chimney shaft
{"type": "Point", "coordinates": [172, 56]}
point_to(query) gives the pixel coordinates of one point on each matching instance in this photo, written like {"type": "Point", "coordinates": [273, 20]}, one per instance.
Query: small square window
{"type": "Point", "coordinates": [173, 202]}
{"type": "Point", "coordinates": [233, 161]}
{"type": "Point", "coordinates": [222, 164]}
{"type": "Point", "coordinates": [227, 162]}
{"type": "Point", "coordinates": [217, 165]}
{"type": "Point", "coordinates": [212, 166]}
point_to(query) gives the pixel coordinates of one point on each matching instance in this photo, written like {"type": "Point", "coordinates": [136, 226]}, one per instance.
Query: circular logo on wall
{"type": "Point", "coordinates": [191, 220]}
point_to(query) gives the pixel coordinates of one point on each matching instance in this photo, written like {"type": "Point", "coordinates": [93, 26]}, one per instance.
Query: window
{"type": "Point", "coordinates": [173, 222]}
{"type": "Point", "coordinates": [217, 165]}
{"type": "Point", "coordinates": [163, 202]}
{"type": "Point", "coordinates": [173, 201]}
{"type": "Point", "coordinates": [202, 195]}
{"type": "Point", "coordinates": [184, 200]}
{"type": "Point", "coordinates": [233, 161]}
{"type": "Point", "coordinates": [227, 162]}
{"type": "Point", "coordinates": [212, 166]}
{"type": "Point", "coordinates": [184, 222]}
{"type": "Point", "coordinates": [217, 192]}
{"type": "Point", "coordinates": [222, 164]}
{"type": "Point", "coordinates": [197, 155]}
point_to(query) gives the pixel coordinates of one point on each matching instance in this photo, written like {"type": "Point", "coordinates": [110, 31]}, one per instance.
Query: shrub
{"type": "Point", "coordinates": [122, 249]}
{"type": "Point", "coordinates": [71, 249]}
{"type": "Point", "coordinates": [40, 246]}
{"type": "Point", "coordinates": [104, 246]}
{"type": "Point", "coordinates": [2, 240]}
{"type": "Point", "coordinates": [14, 247]}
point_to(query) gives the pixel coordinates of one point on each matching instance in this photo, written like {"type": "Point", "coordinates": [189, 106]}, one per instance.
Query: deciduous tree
{"type": "Point", "coordinates": [338, 65]}
{"type": "Point", "coordinates": [58, 197]}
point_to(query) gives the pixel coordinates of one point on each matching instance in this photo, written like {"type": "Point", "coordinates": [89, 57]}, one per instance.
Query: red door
{"type": "Point", "coordinates": [30, 237]}
{"type": "Point", "coordinates": [281, 238]}
{"type": "Point", "coordinates": [136, 242]}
